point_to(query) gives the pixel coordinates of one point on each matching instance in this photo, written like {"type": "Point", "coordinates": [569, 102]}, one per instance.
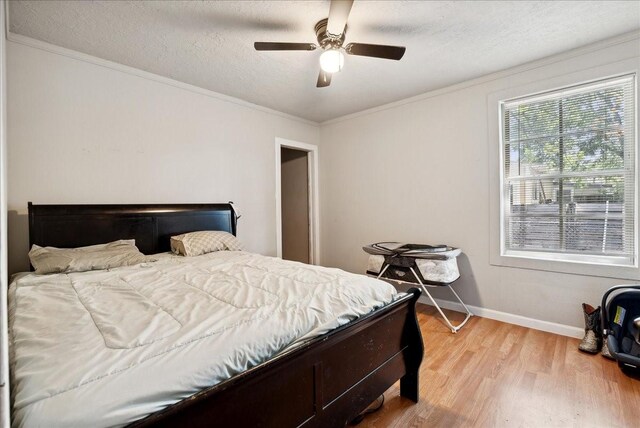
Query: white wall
{"type": "Point", "coordinates": [418, 171]}
{"type": "Point", "coordinates": [86, 131]}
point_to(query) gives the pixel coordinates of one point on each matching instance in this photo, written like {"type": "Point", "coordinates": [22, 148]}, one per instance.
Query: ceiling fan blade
{"type": "Point", "coordinates": [376, 51]}
{"type": "Point", "coordinates": [338, 15]}
{"type": "Point", "coordinates": [324, 79]}
{"type": "Point", "coordinates": [278, 46]}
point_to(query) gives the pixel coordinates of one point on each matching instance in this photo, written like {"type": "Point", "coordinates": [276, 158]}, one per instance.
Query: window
{"type": "Point", "coordinates": [569, 174]}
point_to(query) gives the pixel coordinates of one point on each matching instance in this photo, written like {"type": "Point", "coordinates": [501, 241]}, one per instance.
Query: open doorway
{"type": "Point", "coordinates": [294, 191]}
{"type": "Point", "coordinates": [296, 201]}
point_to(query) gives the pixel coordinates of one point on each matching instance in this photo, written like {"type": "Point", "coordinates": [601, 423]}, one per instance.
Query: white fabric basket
{"type": "Point", "coordinates": [434, 264]}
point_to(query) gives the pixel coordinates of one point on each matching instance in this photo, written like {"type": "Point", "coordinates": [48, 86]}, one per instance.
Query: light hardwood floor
{"type": "Point", "coordinates": [492, 374]}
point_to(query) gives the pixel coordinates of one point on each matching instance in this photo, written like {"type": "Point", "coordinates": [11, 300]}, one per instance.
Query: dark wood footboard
{"type": "Point", "coordinates": [324, 383]}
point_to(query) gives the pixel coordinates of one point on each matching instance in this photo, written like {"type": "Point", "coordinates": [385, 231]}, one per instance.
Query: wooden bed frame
{"type": "Point", "coordinates": [326, 382]}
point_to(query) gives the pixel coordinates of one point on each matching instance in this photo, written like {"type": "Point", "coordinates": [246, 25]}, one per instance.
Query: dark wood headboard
{"type": "Point", "coordinates": [68, 226]}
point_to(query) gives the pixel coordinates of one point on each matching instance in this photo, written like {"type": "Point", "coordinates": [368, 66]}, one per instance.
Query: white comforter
{"type": "Point", "coordinates": [106, 348]}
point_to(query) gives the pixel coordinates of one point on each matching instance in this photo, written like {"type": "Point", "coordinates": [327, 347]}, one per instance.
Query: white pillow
{"type": "Point", "coordinates": [93, 257]}
{"type": "Point", "coordinates": [206, 241]}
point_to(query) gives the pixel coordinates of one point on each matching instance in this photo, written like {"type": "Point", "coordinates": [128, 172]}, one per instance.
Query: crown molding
{"type": "Point", "coordinates": [79, 56]}
{"type": "Point", "coordinates": [563, 56]}
{"type": "Point", "coordinates": [593, 47]}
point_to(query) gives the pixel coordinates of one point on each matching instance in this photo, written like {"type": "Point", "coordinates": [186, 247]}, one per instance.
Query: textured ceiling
{"type": "Point", "coordinates": [210, 44]}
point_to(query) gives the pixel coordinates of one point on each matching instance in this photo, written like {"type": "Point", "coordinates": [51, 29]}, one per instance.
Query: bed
{"type": "Point", "coordinates": [320, 380]}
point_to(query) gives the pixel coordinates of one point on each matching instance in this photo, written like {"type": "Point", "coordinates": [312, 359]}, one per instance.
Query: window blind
{"type": "Point", "coordinates": [569, 173]}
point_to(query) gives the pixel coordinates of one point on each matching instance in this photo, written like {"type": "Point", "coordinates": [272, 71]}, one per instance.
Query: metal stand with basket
{"type": "Point", "coordinates": [425, 265]}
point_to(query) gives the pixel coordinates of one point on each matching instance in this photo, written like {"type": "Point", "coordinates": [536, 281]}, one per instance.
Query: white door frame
{"type": "Point", "coordinates": [314, 216]}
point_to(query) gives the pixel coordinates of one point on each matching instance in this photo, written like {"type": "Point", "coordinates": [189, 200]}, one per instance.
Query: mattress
{"type": "Point", "coordinates": [106, 348]}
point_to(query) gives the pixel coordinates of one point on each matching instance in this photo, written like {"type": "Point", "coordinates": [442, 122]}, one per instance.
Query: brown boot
{"type": "Point", "coordinates": [592, 342]}
{"type": "Point", "coordinates": [605, 350]}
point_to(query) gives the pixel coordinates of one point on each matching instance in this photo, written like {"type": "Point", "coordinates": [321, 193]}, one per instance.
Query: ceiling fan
{"type": "Point", "coordinates": [330, 33]}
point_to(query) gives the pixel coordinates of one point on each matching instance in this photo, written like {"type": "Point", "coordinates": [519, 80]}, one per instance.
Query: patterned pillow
{"type": "Point", "coordinates": [206, 241]}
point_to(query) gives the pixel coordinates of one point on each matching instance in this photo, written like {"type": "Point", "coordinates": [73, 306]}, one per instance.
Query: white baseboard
{"type": "Point", "coordinates": [551, 327]}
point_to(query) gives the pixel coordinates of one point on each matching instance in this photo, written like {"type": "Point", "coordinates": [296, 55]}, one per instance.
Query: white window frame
{"type": "Point", "coordinates": [592, 266]}
{"type": "Point", "coordinates": [567, 257]}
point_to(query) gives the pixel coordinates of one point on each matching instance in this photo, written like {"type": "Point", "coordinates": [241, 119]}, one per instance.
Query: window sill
{"type": "Point", "coordinates": [608, 261]}
{"type": "Point", "coordinates": [585, 268]}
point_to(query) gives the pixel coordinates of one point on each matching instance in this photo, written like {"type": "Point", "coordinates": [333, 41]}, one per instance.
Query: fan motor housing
{"type": "Point", "coordinates": [326, 40]}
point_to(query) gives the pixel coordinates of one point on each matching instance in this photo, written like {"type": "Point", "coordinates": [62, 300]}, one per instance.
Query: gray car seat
{"type": "Point", "coordinates": [621, 325]}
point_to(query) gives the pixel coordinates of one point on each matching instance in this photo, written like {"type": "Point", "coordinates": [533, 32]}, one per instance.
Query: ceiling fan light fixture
{"type": "Point", "coordinates": [330, 34]}
{"type": "Point", "coordinates": [331, 61]}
